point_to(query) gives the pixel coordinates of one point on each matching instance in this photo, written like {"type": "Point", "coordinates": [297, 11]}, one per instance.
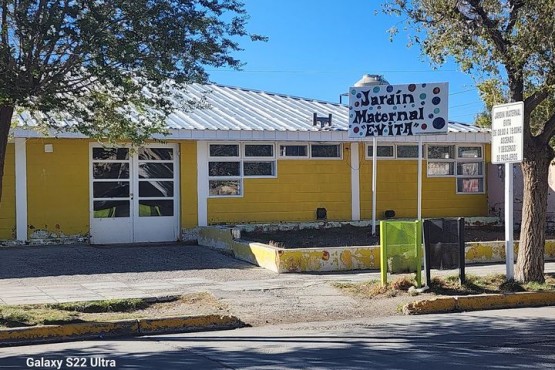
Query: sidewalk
{"type": "Point", "coordinates": [77, 273]}
{"type": "Point", "coordinates": [245, 294]}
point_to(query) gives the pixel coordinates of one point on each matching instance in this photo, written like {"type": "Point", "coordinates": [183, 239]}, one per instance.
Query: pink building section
{"type": "Point", "coordinates": [496, 196]}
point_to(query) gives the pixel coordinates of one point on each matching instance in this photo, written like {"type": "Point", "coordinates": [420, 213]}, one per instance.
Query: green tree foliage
{"type": "Point", "coordinates": [508, 47]}
{"type": "Point", "coordinates": [111, 69]}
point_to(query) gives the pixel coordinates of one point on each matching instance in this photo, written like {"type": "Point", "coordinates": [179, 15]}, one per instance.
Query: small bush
{"type": "Point", "coordinates": [402, 283]}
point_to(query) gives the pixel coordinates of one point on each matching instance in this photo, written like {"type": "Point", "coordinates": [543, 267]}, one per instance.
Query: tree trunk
{"type": "Point", "coordinates": [535, 170]}
{"type": "Point", "coordinates": [6, 113]}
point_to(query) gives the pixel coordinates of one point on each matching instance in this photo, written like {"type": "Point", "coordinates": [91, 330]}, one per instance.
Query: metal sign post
{"type": "Point", "coordinates": [377, 109]}
{"type": "Point", "coordinates": [507, 143]}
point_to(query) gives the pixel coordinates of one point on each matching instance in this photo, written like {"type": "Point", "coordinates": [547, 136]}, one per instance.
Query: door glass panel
{"type": "Point", "coordinates": [164, 154]}
{"type": "Point", "coordinates": [120, 154]}
{"type": "Point", "coordinates": [111, 189]}
{"type": "Point", "coordinates": [155, 208]}
{"type": "Point", "coordinates": [157, 189]}
{"type": "Point", "coordinates": [110, 170]}
{"type": "Point", "coordinates": [111, 208]}
{"type": "Point", "coordinates": [156, 171]}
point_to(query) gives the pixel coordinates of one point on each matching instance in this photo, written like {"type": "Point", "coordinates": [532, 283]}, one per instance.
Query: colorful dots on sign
{"type": "Point", "coordinates": [398, 110]}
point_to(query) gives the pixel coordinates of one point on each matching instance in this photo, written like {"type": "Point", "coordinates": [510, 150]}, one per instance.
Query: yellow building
{"type": "Point", "coordinates": [252, 157]}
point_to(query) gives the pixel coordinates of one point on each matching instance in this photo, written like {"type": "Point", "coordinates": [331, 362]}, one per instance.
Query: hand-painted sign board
{"type": "Point", "coordinates": [507, 138]}
{"type": "Point", "coordinates": [398, 110]}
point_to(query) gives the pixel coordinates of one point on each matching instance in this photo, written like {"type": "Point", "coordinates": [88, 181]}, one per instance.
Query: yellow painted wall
{"type": "Point", "coordinates": [7, 203]}
{"type": "Point", "coordinates": [301, 186]}
{"type": "Point", "coordinates": [58, 190]}
{"type": "Point", "coordinates": [397, 187]}
{"type": "Point", "coordinates": [58, 186]}
{"type": "Point", "coordinates": [188, 179]}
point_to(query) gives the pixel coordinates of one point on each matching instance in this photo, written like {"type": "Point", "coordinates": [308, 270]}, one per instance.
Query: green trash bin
{"type": "Point", "coordinates": [401, 248]}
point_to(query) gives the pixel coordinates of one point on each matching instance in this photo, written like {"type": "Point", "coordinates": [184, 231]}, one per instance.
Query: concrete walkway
{"type": "Point", "coordinates": [50, 274]}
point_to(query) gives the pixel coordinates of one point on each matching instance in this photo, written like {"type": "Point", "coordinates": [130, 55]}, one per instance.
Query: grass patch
{"type": "Point", "coordinates": [374, 288]}
{"type": "Point", "coordinates": [491, 284]}
{"type": "Point", "coordinates": [31, 315]}
{"type": "Point", "coordinates": [110, 305]}
{"type": "Point", "coordinates": [446, 286]}
{"type": "Point", "coordinates": [107, 310]}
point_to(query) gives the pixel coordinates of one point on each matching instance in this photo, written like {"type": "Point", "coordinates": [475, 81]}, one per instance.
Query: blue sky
{"type": "Point", "coordinates": [319, 48]}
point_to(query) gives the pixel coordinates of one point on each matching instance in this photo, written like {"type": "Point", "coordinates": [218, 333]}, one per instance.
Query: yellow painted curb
{"type": "Point", "coordinates": [68, 331]}
{"type": "Point", "coordinates": [480, 302]}
{"type": "Point", "coordinates": [173, 324]}
{"type": "Point", "coordinates": [434, 305]}
{"type": "Point", "coordinates": [134, 327]}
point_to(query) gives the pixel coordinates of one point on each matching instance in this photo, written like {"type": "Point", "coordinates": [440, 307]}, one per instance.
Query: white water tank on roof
{"type": "Point", "coordinates": [370, 80]}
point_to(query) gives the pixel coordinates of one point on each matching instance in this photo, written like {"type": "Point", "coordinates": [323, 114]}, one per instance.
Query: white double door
{"type": "Point", "coordinates": [134, 194]}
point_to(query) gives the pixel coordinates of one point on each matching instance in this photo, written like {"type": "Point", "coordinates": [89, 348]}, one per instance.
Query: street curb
{"type": "Point", "coordinates": [189, 323]}
{"type": "Point", "coordinates": [120, 328]}
{"type": "Point", "coordinates": [479, 302]}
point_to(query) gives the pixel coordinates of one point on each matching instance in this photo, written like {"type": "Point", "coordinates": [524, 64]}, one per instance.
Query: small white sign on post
{"type": "Point", "coordinates": [507, 133]}
{"type": "Point", "coordinates": [507, 147]}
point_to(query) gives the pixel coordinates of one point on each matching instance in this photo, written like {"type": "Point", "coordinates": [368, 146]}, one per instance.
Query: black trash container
{"type": "Point", "coordinates": [444, 245]}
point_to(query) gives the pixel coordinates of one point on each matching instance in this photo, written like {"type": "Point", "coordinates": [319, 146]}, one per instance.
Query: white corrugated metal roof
{"type": "Point", "coordinates": [232, 108]}
{"type": "Point", "coordinates": [235, 109]}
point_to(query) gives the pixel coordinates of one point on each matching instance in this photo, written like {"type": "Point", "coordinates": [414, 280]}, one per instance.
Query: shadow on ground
{"type": "Point", "coordinates": [448, 342]}
{"type": "Point", "coordinates": [39, 261]}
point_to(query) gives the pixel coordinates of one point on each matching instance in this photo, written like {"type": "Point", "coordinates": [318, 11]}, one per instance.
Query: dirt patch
{"type": "Point", "coordinates": [310, 303]}
{"type": "Point", "coordinates": [333, 237]}
{"type": "Point", "coordinates": [349, 235]}
{"type": "Point", "coordinates": [193, 304]}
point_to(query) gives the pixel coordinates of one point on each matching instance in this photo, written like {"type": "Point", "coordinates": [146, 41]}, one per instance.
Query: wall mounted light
{"type": "Point", "coordinates": [321, 214]}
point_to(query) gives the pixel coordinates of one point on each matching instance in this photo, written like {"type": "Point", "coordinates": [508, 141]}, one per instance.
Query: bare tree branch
{"type": "Point", "coordinates": [548, 130]}
{"type": "Point", "coordinates": [489, 26]}
{"type": "Point", "coordinates": [515, 6]}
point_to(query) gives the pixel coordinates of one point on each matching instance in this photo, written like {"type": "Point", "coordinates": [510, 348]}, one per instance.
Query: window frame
{"type": "Point", "coordinates": [339, 151]}
{"type": "Point", "coordinates": [241, 158]}
{"type": "Point", "coordinates": [409, 158]}
{"type": "Point", "coordinates": [458, 159]}
{"type": "Point", "coordinates": [378, 156]}
{"type": "Point", "coordinates": [461, 160]}
{"type": "Point", "coordinates": [308, 155]}
{"type": "Point", "coordinates": [450, 160]}
{"type": "Point", "coordinates": [394, 147]}
{"type": "Point", "coordinates": [281, 156]}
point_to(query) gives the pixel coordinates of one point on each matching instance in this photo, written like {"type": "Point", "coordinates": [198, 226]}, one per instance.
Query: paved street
{"type": "Point", "coordinates": [508, 339]}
